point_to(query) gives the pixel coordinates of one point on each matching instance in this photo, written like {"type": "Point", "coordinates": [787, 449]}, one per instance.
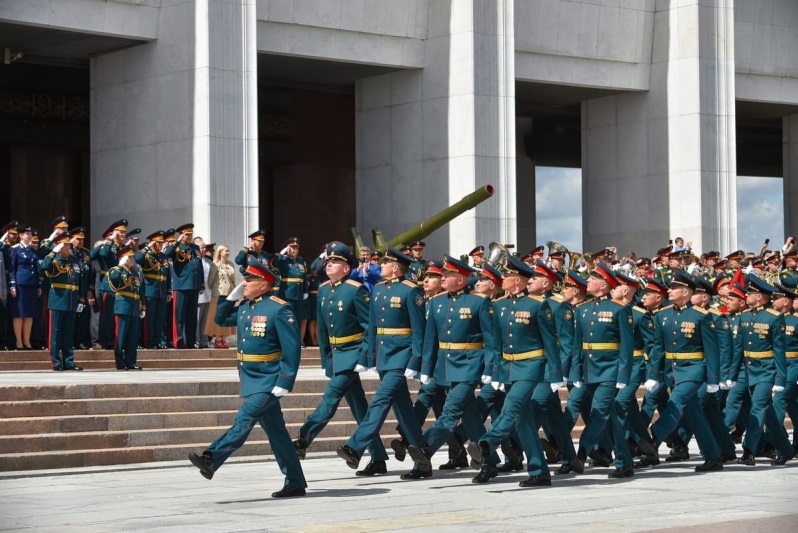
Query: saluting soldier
{"type": "Point", "coordinates": [128, 309]}
{"type": "Point", "coordinates": [686, 342]}
{"type": "Point", "coordinates": [460, 341]}
{"type": "Point", "coordinates": [157, 288]}
{"type": "Point", "coordinates": [82, 339]}
{"type": "Point", "coordinates": [268, 354]}
{"type": "Point", "coordinates": [788, 277]}
{"type": "Point", "coordinates": [8, 238]}
{"type": "Point", "coordinates": [602, 362]}
{"type": "Point", "coordinates": [343, 315]}
{"type": "Point", "coordinates": [253, 251]}
{"type": "Point", "coordinates": [63, 271]}
{"type": "Point", "coordinates": [188, 280]}
{"type": "Point", "coordinates": [395, 335]}
{"type": "Point", "coordinates": [106, 256]}
{"type": "Point", "coordinates": [57, 227]}
{"type": "Point", "coordinates": [761, 334]}
{"type": "Point", "coordinates": [293, 272]}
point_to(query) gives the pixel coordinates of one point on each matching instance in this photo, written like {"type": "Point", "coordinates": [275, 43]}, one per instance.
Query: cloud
{"type": "Point", "coordinates": [558, 202]}
{"type": "Point", "coordinates": [760, 212]}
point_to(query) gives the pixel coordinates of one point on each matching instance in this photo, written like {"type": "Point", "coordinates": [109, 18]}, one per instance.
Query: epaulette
{"type": "Point", "coordinates": [500, 298]}
{"type": "Point", "coordinates": [536, 297]}
{"type": "Point", "coordinates": [716, 311]}
{"type": "Point", "coordinates": [773, 311]}
{"type": "Point", "coordinates": [354, 283]}
{"type": "Point", "coordinates": [444, 293]}
{"type": "Point", "coordinates": [580, 304]}
{"type": "Point", "coordinates": [661, 309]}
{"type": "Point", "coordinates": [409, 283]}
{"type": "Point", "coordinates": [701, 310]}
{"type": "Point", "coordinates": [558, 298]}
{"type": "Point", "coordinates": [15, 245]}
{"type": "Point", "coordinates": [640, 309]}
{"type": "Point", "coordinates": [618, 302]}
{"type": "Point", "coordinates": [278, 300]}
{"type": "Point", "coordinates": [85, 249]}
{"type": "Point", "coordinates": [328, 282]}
{"type": "Point", "coordinates": [479, 294]}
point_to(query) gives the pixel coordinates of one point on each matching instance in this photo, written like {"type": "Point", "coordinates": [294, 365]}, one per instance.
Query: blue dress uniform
{"type": "Point", "coordinates": [460, 339]}
{"type": "Point", "coordinates": [269, 355]}
{"type": "Point", "coordinates": [187, 281]}
{"type": "Point", "coordinates": [761, 334]}
{"type": "Point", "coordinates": [395, 335]}
{"type": "Point", "coordinates": [24, 278]}
{"type": "Point", "coordinates": [157, 288]}
{"type": "Point", "coordinates": [9, 236]}
{"type": "Point", "coordinates": [604, 357]}
{"type": "Point", "coordinates": [127, 291]}
{"type": "Point", "coordinates": [528, 342]}
{"type": "Point", "coordinates": [688, 345]}
{"type": "Point", "coordinates": [343, 315]}
{"type": "Point", "coordinates": [786, 401]}
{"type": "Point", "coordinates": [63, 272]}
{"type": "Point", "coordinates": [293, 280]}
{"type": "Point", "coordinates": [106, 255]}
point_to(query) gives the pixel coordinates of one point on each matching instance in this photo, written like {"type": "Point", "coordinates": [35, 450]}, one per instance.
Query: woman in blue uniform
{"type": "Point", "coordinates": [24, 287]}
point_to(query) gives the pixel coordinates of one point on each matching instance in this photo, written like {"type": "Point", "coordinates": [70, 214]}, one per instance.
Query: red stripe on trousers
{"type": "Point", "coordinates": [175, 329]}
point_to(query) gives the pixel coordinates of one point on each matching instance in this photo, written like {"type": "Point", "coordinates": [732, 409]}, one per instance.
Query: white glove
{"type": "Point", "coordinates": [237, 293]}
{"type": "Point", "coordinates": [424, 379]}
{"type": "Point", "coordinates": [564, 382]}
{"type": "Point", "coordinates": [556, 386]}
{"type": "Point", "coordinates": [498, 385]}
{"type": "Point", "coordinates": [143, 314]}
{"type": "Point", "coordinates": [578, 384]}
{"type": "Point", "coordinates": [323, 255]}
{"type": "Point", "coordinates": [58, 247]}
{"type": "Point", "coordinates": [410, 374]}
{"type": "Point", "coordinates": [723, 385]}
{"type": "Point", "coordinates": [284, 251]}
{"type": "Point", "coordinates": [123, 261]}
{"type": "Point", "coordinates": [651, 385]}
{"type": "Point", "coordinates": [54, 234]}
{"type": "Point", "coordinates": [372, 369]}
{"type": "Point", "coordinates": [486, 380]}
{"type": "Point", "coordinates": [360, 368]}
{"type": "Point", "coordinates": [4, 237]}
{"type": "Point", "coordinates": [279, 392]}
{"type": "Point", "coordinates": [731, 384]}
{"type": "Point", "coordinates": [305, 296]}
{"type": "Point", "coordinates": [620, 386]}
{"type": "Point", "coordinates": [778, 388]}
{"type": "Point", "coordinates": [712, 389]}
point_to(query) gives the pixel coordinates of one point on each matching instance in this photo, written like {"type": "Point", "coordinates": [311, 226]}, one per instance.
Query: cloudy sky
{"type": "Point", "coordinates": [760, 212]}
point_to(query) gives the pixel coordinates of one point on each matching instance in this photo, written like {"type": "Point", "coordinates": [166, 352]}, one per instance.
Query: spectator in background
{"type": "Point", "coordinates": [367, 271]}
{"type": "Point", "coordinates": [222, 284]}
{"type": "Point", "coordinates": [204, 300]}
{"type": "Point", "coordinates": [25, 289]}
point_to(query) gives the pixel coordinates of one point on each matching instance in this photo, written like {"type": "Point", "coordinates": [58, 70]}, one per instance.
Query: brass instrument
{"type": "Point", "coordinates": [573, 257]}
{"type": "Point", "coordinates": [497, 255]}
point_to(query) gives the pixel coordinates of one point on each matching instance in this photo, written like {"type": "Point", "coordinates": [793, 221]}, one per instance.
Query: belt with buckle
{"type": "Point", "coordinates": [335, 341]}
{"type": "Point", "coordinates": [253, 358]}
{"type": "Point", "coordinates": [523, 356]}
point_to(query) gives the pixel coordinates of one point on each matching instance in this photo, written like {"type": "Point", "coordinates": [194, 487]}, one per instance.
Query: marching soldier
{"type": "Point", "coordinates": [786, 401]}
{"type": "Point", "coordinates": [188, 280]}
{"type": "Point", "coordinates": [343, 315]}
{"type": "Point", "coordinates": [268, 355]}
{"type": "Point", "coordinates": [106, 256]}
{"type": "Point", "coordinates": [157, 288]}
{"type": "Point", "coordinates": [128, 309]}
{"type": "Point", "coordinates": [63, 270]}
{"type": "Point", "coordinates": [395, 335]}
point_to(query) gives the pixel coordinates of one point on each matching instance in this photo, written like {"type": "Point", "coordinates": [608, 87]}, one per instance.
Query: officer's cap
{"type": "Point", "coordinates": [133, 233]}
{"type": "Point", "coordinates": [291, 241]}
{"type": "Point", "coordinates": [573, 279]}
{"type": "Point", "coordinates": [713, 254]}
{"type": "Point", "coordinates": [63, 237]}
{"type": "Point", "coordinates": [664, 251]}
{"type": "Point", "coordinates": [25, 228]}
{"type": "Point", "coordinates": [602, 254]}
{"type": "Point", "coordinates": [643, 262]}
{"type": "Point", "coordinates": [259, 235]}
{"type": "Point", "coordinates": [542, 270]}
{"type": "Point", "coordinates": [757, 284]}
{"type": "Point", "coordinates": [433, 268]}
{"type": "Point", "coordinates": [682, 279]}
{"type": "Point", "coordinates": [59, 222]}
{"type": "Point", "coordinates": [418, 245]}
{"type": "Point", "coordinates": [35, 237]}
{"type": "Point", "coordinates": [720, 281]}
{"type": "Point", "coordinates": [557, 253]}
{"type": "Point", "coordinates": [701, 285]}
{"type": "Point", "coordinates": [629, 281]}
{"type": "Point", "coordinates": [256, 269]}
{"type": "Point", "coordinates": [516, 267]}
{"type": "Point", "coordinates": [450, 264]}
{"type": "Point", "coordinates": [376, 255]}
{"type": "Point", "coordinates": [490, 272]}
{"type": "Point", "coordinates": [77, 233]}
{"type": "Point", "coordinates": [338, 250]}
{"type": "Point", "coordinates": [738, 254]}
{"type": "Point", "coordinates": [604, 272]}
{"type": "Point", "coordinates": [11, 227]}
{"type": "Point", "coordinates": [773, 258]}
{"type": "Point", "coordinates": [158, 236]}
{"type": "Point", "coordinates": [210, 247]}
{"type": "Point", "coordinates": [405, 249]}
{"type": "Point", "coordinates": [169, 235]}
{"type": "Point", "coordinates": [653, 285]}
{"type": "Point", "coordinates": [479, 250]}
{"type": "Point", "coordinates": [783, 292]}
{"type": "Point", "coordinates": [723, 263]}
{"type": "Point", "coordinates": [119, 225]}
{"type": "Point", "coordinates": [737, 291]}
{"type": "Point", "coordinates": [125, 251]}
{"type": "Point", "coordinates": [758, 262]}
{"type": "Point", "coordinates": [185, 228]}
{"type": "Point", "coordinates": [395, 256]}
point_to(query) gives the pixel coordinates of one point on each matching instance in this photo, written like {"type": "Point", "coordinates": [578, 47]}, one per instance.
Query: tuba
{"type": "Point", "coordinates": [497, 255]}
{"type": "Point", "coordinates": [573, 257]}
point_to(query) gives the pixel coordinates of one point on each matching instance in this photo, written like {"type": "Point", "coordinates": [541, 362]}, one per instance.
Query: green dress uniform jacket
{"type": "Point", "coordinates": [461, 334]}
{"type": "Point", "coordinates": [155, 266]}
{"type": "Point", "coordinates": [396, 326]}
{"type": "Point", "coordinates": [343, 316]}
{"type": "Point", "coordinates": [127, 291]}
{"type": "Point", "coordinates": [243, 257]}
{"type": "Point", "coordinates": [688, 345]}
{"type": "Point", "coordinates": [603, 342]}
{"type": "Point", "coordinates": [187, 266]}
{"type": "Point", "coordinates": [791, 346]}
{"type": "Point", "coordinates": [105, 255]}
{"type": "Point", "coordinates": [64, 275]}
{"type": "Point", "coordinates": [761, 344]}
{"type": "Point", "coordinates": [528, 340]}
{"type": "Point", "coordinates": [725, 343]}
{"type": "Point", "coordinates": [293, 276]}
{"type": "Point", "coordinates": [789, 278]}
{"type": "Point", "coordinates": [268, 342]}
